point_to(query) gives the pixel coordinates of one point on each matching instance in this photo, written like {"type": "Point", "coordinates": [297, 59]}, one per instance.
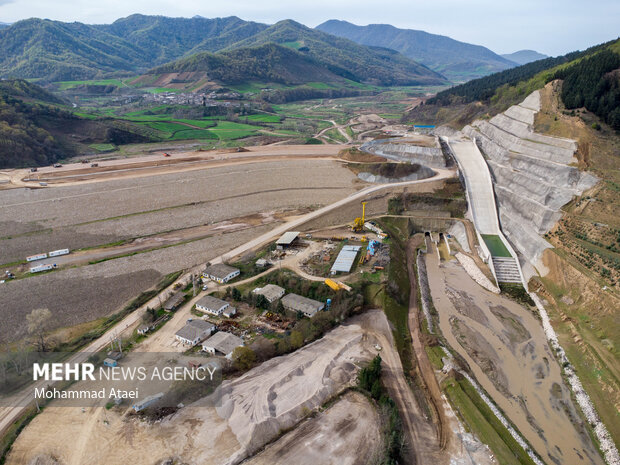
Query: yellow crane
{"type": "Point", "coordinates": [358, 223]}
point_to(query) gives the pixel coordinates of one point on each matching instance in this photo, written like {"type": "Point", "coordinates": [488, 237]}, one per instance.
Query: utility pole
{"type": "Point", "coordinates": [194, 283]}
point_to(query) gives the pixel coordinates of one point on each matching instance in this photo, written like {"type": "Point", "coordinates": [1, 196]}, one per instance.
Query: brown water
{"type": "Point", "coordinates": [506, 349]}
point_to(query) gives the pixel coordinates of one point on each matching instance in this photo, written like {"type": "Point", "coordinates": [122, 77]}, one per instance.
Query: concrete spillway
{"type": "Point", "coordinates": [532, 175]}
{"type": "Point", "coordinates": [502, 259]}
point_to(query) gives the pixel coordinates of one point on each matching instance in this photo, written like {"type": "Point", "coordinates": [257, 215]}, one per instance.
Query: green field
{"type": "Point", "coordinates": [264, 118]}
{"type": "Point", "coordinates": [66, 85]}
{"type": "Point", "coordinates": [193, 134]}
{"type": "Point", "coordinates": [479, 419]}
{"type": "Point", "coordinates": [495, 245]}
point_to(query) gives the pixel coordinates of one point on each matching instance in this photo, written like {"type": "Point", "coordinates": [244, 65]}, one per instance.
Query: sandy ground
{"type": "Point", "coordinates": [147, 165]}
{"type": "Point", "coordinates": [327, 438]}
{"type": "Point", "coordinates": [246, 419]}
{"type": "Point", "coordinates": [506, 349]}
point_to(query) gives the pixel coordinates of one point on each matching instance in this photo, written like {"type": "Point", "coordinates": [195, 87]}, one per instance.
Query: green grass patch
{"type": "Point", "coordinates": [264, 118]}
{"type": "Point", "coordinates": [495, 245]}
{"type": "Point", "coordinates": [193, 134]}
{"type": "Point", "coordinates": [102, 148]}
{"type": "Point", "coordinates": [479, 419]}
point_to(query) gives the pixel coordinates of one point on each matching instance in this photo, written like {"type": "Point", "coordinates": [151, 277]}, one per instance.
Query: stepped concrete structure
{"type": "Point", "coordinates": [533, 177]}
{"type": "Point", "coordinates": [405, 150]}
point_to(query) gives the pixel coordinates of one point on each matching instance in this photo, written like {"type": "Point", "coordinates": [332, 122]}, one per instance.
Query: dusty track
{"type": "Point", "coordinates": [424, 364]}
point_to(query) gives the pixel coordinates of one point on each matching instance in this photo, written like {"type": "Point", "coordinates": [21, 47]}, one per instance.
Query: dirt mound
{"type": "Point", "coordinates": [356, 155]}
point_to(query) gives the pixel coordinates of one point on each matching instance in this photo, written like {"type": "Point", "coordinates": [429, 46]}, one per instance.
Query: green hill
{"type": "Point", "coordinates": [458, 61]}
{"type": "Point", "coordinates": [265, 63]}
{"type": "Point", "coordinates": [57, 51]}
{"type": "Point", "coordinates": [35, 131]}
{"type": "Point", "coordinates": [164, 39]}
{"type": "Point", "coordinates": [590, 80]}
{"type": "Point", "coordinates": [345, 58]}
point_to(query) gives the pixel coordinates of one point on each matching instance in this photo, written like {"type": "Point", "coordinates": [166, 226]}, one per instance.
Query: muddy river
{"type": "Point", "coordinates": [505, 346]}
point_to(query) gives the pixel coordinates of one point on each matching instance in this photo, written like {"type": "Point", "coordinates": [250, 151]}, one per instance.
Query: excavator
{"type": "Point", "coordinates": [358, 223]}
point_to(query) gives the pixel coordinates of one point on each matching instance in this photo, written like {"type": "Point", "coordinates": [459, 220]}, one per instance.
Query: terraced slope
{"type": "Point", "coordinates": [533, 175]}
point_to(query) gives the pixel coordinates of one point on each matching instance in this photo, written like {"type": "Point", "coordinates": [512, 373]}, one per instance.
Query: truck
{"type": "Point", "coordinates": [45, 267]}
{"type": "Point", "coordinates": [110, 362]}
{"type": "Point", "coordinates": [34, 258]}
{"type": "Point", "coordinates": [59, 252]}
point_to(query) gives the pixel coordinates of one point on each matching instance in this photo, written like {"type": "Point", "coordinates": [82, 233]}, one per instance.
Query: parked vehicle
{"type": "Point", "coordinates": [94, 165]}
{"type": "Point", "coordinates": [57, 165]}
{"type": "Point", "coordinates": [33, 170]}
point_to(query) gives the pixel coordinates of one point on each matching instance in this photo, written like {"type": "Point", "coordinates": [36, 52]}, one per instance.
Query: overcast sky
{"type": "Point", "coordinates": [549, 26]}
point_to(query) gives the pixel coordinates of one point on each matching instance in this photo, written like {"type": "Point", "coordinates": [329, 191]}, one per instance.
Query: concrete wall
{"type": "Point", "coordinates": [396, 149]}
{"type": "Point", "coordinates": [532, 175]}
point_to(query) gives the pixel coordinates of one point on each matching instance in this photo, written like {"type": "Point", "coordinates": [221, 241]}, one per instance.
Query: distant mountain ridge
{"type": "Point", "coordinates": [523, 57]}
{"type": "Point", "coordinates": [55, 51]}
{"type": "Point", "coordinates": [459, 61]}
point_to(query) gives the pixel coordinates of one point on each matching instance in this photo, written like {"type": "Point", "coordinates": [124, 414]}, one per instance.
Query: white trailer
{"type": "Point", "coordinates": [39, 268]}
{"type": "Point", "coordinates": [59, 252]}
{"type": "Point", "coordinates": [34, 258]}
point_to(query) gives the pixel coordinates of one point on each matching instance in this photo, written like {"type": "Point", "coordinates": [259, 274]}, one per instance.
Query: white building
{"type": "Point", "coordinates": [270, 291]}
{"type": "Point", "coordinates": [214, 306]}
{"type": "Point", "coordinates": [221, 273]}
{"type": "Point", "coordinates": [194, 332]}
{"type": "Point", "coordinates": [222, 343]}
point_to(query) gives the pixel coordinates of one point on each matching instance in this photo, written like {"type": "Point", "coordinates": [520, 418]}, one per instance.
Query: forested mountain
{"type": "Point", "coordinates": [458, 61]}
{"type": "Point", "coordinates": [594, 83]}
{"type": "Point", "coordinates": [346, 58]}
{"type": "Point", "coordinates": [54, 51]}
{"type": "Point", "coordinates": [35, 131]}
{"type": "Point", "coordinates": [591, 79]}
{"type": "Point", "coordinates": [265, 63]}
{"type": "Point", "coordinates": [165, 39]}
{"type": "Point", "coordinates": [523, 57]}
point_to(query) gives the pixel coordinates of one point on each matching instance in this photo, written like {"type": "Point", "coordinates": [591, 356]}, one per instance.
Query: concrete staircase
{"type": "Point", "coordinates": [506, 270]}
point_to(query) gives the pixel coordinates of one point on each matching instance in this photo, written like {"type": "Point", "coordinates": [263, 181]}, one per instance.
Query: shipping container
{"type": "Point", "coordinates": [57, 253]}
{"type": "Point", "coordinates": [39, 268]}
{"type": "Point", "coordinates": [33, 258]}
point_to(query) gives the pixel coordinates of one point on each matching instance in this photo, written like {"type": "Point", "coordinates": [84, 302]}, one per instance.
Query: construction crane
{"type": "Point", "coordinates": [358, 223]}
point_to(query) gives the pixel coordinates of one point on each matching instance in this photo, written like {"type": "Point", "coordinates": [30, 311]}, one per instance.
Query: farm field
{"type": "Point", "coordinates": [48, 219]}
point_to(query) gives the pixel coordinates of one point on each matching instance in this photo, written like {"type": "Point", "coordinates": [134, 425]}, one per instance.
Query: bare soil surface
{"type": "Point", "coordinates": [327, 438]}
{"type": "Point", "coordinates": [254, 409]}
{"type": "Point", "coordinates": [87, 215]}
